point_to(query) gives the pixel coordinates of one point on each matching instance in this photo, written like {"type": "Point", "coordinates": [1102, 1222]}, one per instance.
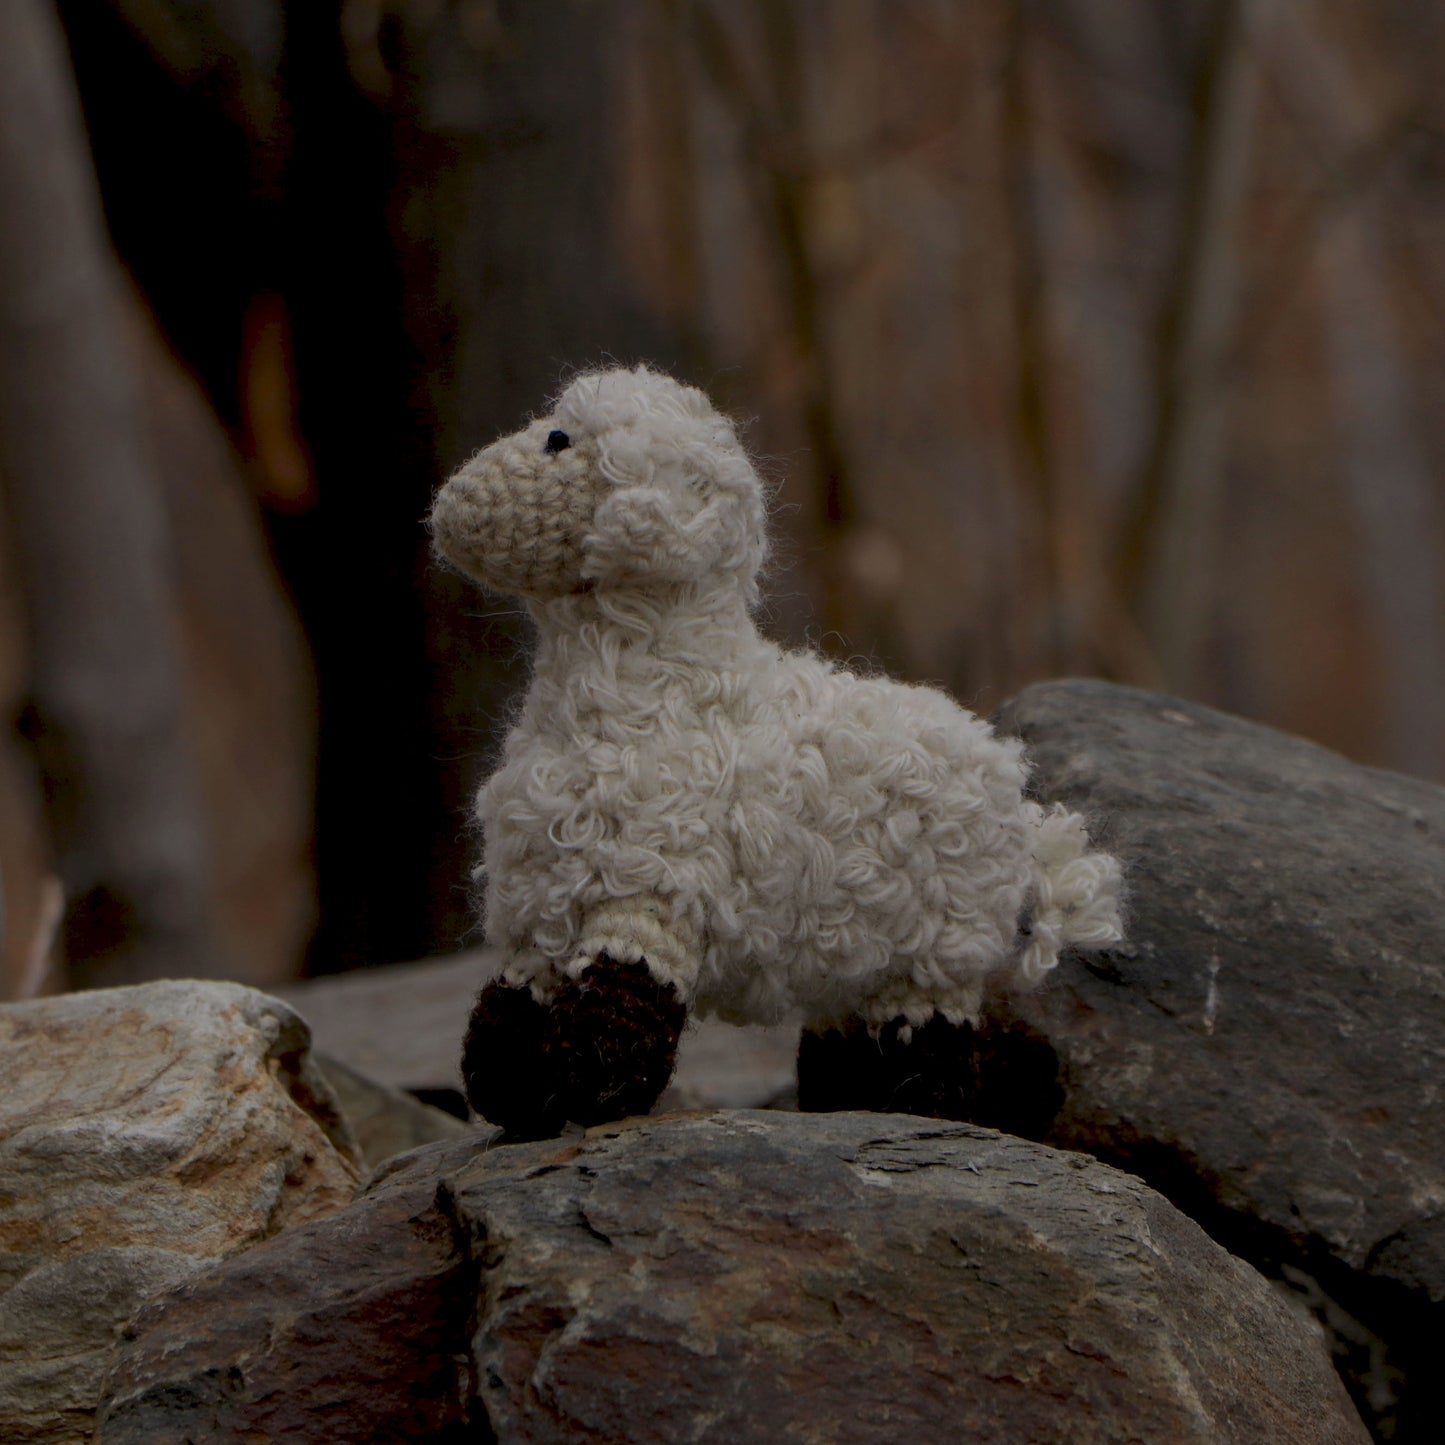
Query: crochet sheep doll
{"type": "Point", "coordinates": [687, 818]}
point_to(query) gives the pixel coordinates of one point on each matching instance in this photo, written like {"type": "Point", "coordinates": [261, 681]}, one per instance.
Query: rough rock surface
{"type": "Point", "coordinates": [385, 1121]}
{"type": "Point", "coordinates": [143, 1131]}
{"type": "Point", "coordinates": [1269, 1048]}
{"type": "Point", "coordinates": [347, 1330]}
{"type": "Point", "coordinates": [740, 1277]}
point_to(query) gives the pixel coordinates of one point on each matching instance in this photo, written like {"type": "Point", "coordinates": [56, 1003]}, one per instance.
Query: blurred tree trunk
{"type": "Point", "coordinates": [85, 503]}
{"type": "Point", "coordinates": [188, 130]}
{"type": "Point", "coordinates": [248, 689]}
{"type": "Point", "coordinates": [773, 119]}
{"type": "Point", "coordinates": [1170, 551]}
{"type": "Point", "coordinates": [1383, 457]}
{"type": "Point", "coordinates": [1052, 635]}
{"type": "Point", "coordinates": [29, 891]}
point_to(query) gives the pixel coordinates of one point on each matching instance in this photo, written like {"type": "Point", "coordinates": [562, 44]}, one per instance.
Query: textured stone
{"type": "Point", "coordinates": [736, 1277]}
{"type": "Point", "coordinates": [348, 1330]}
{"type": "Point", "coordinates": [385, 1121]}
{"type": "Point", "coordinates": [1269, 1047]}
{"type": "Point", "coordinates": [143, 1131]}
{"type": "Point", "coordinates": [401, 1024]}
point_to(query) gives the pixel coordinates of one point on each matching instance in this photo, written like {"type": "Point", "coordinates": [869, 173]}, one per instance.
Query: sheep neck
{"type": "Point", "coordinates": [624, 646]}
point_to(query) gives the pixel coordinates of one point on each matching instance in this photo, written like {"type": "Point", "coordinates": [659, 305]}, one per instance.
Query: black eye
{"type": "Point", "coordinates": [558, 441]}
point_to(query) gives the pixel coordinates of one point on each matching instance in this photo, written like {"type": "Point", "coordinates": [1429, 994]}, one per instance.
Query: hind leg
{"type": "Point", "coordinates": [933, 1072]}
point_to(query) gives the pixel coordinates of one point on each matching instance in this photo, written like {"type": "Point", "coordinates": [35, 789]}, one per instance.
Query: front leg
{"type": "Point", "coordinates": [613, 1028]}
{"type": "Point", "coordinates": [604, 1044]}
{"type": "Point", "coordinates": [508, 1078]}
{"type": "Point", "coordinates": [603, 1048]}
{"type": "Point", "coordinates": [610, 1040]}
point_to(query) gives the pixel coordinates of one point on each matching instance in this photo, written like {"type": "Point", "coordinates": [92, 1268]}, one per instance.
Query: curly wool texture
{"type": "Point", "coordinates": [776, 836]}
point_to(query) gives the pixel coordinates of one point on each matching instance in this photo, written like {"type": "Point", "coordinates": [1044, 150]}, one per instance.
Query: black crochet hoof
{"type": "Point", "coordinates": [611, 1039]}
{"type": "Point", "coordinates": [934, 1074]}
{"type": "Point", "coordinates": [508, 1079]}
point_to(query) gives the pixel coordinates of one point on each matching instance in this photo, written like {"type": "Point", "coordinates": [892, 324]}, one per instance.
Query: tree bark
{"type": "Point", "coordinates": [93, 544]}
{"type": "Point", "coordinates": [1168, 555]}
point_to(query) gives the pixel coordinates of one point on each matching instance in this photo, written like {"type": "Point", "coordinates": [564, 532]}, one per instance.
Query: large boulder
{"type": "Point", "coordinates": [744, 1277]}
{"type": "Point", "coordinates": [144, 1132]}
{"type": "Point", "coordinates": [1269, 1046]}
{"type": "Point", "coordinates": [347, 1330]}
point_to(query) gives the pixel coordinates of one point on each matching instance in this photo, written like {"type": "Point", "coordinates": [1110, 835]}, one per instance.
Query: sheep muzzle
{"type": "Point", "coordinates": [515, 516]}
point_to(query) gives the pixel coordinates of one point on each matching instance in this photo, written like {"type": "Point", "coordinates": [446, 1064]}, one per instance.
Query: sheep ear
{"type": "Point", "coordinates": [636, 534]}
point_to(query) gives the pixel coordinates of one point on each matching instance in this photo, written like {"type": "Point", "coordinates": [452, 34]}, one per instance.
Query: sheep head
{"type": "Point", "coordinates": [631, 481]}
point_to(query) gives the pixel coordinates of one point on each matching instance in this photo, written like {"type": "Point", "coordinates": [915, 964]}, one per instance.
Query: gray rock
{"type": "Point", "coordinates": [143, 1131]}
{"type": "Point", "coordinates": [736, 1277]}
{"type": "Point", "coordinates": [1269, 1049]}
{"type": "Point", "coordinates": [384, 1120]}
{"type": "Point", "coordinates": [349, 1330]}
{"type": "Point", "coordinates": [58, 1326]}
{"type": "Point", "coordinates": [401, 1024]}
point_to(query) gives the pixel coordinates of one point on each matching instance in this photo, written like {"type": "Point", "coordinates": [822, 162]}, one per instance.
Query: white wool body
{"type": "Point", "coordinates": [777, 836]}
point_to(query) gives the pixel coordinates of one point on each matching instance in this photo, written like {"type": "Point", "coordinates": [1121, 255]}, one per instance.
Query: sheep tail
{"type": "Point", "coordinates": [1077, 895]}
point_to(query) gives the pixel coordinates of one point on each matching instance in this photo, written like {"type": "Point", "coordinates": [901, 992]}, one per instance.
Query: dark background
{"type": "Point", "coordinates": [1076, 336]}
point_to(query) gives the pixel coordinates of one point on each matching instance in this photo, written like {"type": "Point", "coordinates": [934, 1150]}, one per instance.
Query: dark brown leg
{"type": "Point", "coordinates": [509, 1081]}
{"type": "Point", "coordinates": [611, 1040]}
{"type": "Point", "coordinates": [933, 1074]}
